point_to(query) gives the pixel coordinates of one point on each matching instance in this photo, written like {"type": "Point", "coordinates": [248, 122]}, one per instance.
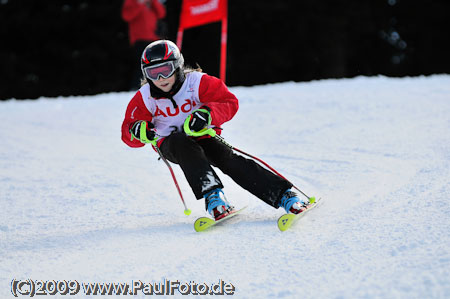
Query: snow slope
{"type": "Point", "coordinates": [77, 204]}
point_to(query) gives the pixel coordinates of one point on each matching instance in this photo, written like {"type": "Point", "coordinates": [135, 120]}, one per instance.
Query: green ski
{"type": "Point", "coordinates": [203, 223]}
{"type": "Point", "coordinates": [287, 220]}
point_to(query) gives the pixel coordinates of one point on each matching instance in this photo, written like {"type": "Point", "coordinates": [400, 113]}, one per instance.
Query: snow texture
{"type": "Point", "coordinates": [78, 204]}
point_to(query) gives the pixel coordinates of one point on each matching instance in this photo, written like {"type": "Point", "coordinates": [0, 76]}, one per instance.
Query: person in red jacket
{"type": "Point", "coordinates": [177, 103]}
{"type": "Point", "coordinates": [142, 17]}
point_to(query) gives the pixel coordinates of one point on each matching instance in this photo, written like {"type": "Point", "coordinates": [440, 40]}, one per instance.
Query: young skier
{"type": "Point", "coordinates": [172, 95]}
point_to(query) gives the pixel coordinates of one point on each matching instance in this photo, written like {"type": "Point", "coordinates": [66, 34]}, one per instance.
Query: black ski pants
{"type": "Point", "coordinates": [195, 157]}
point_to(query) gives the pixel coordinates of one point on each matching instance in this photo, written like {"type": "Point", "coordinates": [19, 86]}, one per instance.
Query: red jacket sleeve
{"type": "Point", "coordinates": [160, 9]}
{"type": "Point", "coordinates": [136, 110]}
{"type": "Point", "coordinates": [214, 94]}
{"type": "Point", "coordinates": [131, 9]}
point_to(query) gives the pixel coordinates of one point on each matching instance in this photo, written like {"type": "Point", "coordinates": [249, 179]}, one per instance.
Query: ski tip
{"type": "Point", "coordinates": [285, 222]}
{"type": "Point", "coordinates": [282, 228]}
{"type": "Point", "coordinates": [203, 223]}
{"type": "Point", "coordinates": [312, 200]}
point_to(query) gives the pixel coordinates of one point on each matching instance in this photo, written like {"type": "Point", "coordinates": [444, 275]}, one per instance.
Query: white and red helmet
{"type": "Point", "coordinates": [161, 59]}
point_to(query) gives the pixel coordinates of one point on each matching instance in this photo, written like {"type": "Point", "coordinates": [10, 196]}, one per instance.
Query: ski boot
{"type": "Point", "coordinates": [291, 203]}
{"type": "Point", "coordinates": [216, 204]}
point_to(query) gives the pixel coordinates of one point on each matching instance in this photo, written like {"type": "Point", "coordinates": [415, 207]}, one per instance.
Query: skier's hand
{"type": "Point", "coordinates": [200, 119]}
{"type": "Point", "coordinates": [144, 131]}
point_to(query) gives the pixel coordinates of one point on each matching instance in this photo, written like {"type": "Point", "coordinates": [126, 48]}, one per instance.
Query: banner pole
{"type": "Point", "coordinates": [223, 50]}
{"type": "Point", "coordinates": [179, 38]}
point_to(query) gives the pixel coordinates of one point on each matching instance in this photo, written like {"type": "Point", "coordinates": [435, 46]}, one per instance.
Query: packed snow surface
{"type": "Point", "coordinates": [77, 204]}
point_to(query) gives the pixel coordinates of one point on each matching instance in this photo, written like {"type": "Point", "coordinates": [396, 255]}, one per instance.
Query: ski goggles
{"type": "Point", "coordinates": [164, 70]}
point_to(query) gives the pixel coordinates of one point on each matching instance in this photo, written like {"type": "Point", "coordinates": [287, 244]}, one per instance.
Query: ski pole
{"type": "Point", "coordinates": [221, 139]}
{"type": "Point", "coordinates": [212, 133]}
{"type": "Point", "coordinates": [186, 210]}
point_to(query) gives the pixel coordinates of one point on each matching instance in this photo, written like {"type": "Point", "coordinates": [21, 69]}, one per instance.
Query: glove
{"type": "Point", "coordinates": [144, 131]}
{"type": "Point", "coordinates": [199, 119]}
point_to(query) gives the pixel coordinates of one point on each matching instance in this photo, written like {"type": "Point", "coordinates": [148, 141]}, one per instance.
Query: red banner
{"type": "Point", "coordinates": [200, 12]}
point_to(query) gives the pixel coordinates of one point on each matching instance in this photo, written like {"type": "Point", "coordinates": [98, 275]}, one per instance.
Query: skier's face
{"type": "Point", "coordinates": [165, 84]}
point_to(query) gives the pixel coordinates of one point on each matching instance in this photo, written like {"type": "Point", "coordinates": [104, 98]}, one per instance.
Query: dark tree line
{"type": "Point", "coordinates": [80, 47]}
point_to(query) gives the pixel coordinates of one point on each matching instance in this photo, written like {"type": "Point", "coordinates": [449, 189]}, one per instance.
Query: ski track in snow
{"type": "Point", "coordinates": [78, 204]}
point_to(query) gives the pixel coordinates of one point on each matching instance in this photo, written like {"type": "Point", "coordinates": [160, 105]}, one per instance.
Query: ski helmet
{"type": "Point", "coordinates": [161, 59]}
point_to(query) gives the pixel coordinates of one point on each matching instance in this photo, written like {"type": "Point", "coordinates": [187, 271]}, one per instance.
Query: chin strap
{"type": "Point", "coordinates": [175, 106]}
{"type": "Point", "coordinates": [158, 93]}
